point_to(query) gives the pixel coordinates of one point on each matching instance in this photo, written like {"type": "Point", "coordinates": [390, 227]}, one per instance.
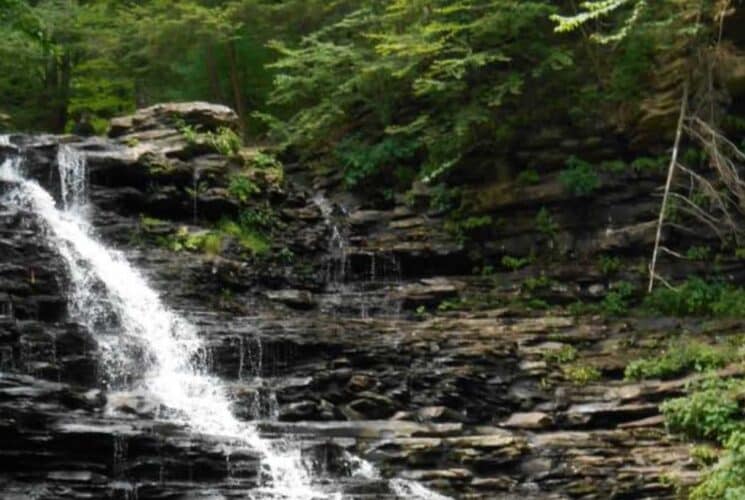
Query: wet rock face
{"type": "Point", "coordinates": [341, 335]}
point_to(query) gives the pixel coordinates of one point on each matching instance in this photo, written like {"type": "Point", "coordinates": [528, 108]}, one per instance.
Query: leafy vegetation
{"type": "Point", "coordinates": [697, 297]}
{"type": "Point", "coordinates": [680, 358]}
{"type": "Point", "coordinates": [579, 177]}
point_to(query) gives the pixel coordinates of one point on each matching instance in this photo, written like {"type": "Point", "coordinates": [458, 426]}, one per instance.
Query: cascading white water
{"type": "Point", "coordinates": [140, 335]}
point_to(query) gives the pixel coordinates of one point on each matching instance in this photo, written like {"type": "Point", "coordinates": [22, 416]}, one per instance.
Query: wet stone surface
{"type": "Point", "coordinates": [347, 352]}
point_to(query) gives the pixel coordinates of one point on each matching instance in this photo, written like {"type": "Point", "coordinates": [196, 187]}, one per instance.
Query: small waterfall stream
{"type": "Point", "coordinates": [140, 335]}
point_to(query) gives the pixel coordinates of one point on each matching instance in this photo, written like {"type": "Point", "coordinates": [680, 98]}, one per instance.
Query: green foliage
{"type": "Point", "coordinates": [207, 242]}
{"type": "Point", "coordinates": [726, 481]}
{"type": "Point", "coordinates": [566, 354]}
{"type": "Point", "coordinates": [580, 374]}
{"type": "Point", "coordinates": [427, 84]}
{"type": "Point", "coordinates": [678, 359]}
{"type": "Point", "coordinates": [711, 410]}
{"type": "Point", "coordinates": [528, 177]}
{"type": "Point", "coordinates": [614, 166]}
{"type": "Point", "coordinates": [541, 282]}
{"type": "Point", "coordinates": [609, 265]}
{"type": "Point", "coordinates": [242, 188]}
{"type": "Point", "coordinates": [465, 228]}
{"type": "Point", "coordinates": [545, 223]}
{"type": "Point", "coordinates": [616, 301]}
{"type": "Point", "coordinates": [699, 253]}
{"type": "Point", "coordinates": [647, 164]}
{"type": "Point", "coordinates": [579, 177]}
{"type": "Point", "coordinates": [225, 141]}
{"type": "Point", "coordinates": [363, 161]}
{"type": "Point", "coordinates": [515, 263]}
{"type": "Point", "coordinates": [249, 237]}
{"type": "Point", "coordinates": [697, 297]}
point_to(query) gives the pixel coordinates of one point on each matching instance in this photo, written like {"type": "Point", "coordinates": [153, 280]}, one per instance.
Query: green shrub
{"type": "Point", "coordinates": [545, 224]}
{"type": "Point", "coordinates": [616, 302]}
{"type": "Point", "coordinates": [697, 297]}
{"type": "Point", "coordinates": [363, 161]}
{"type": "Point", "coordinates": [566, 354]}
{"type": "Point", "coordinates": [710, 411]}
{"type": "Point", "coordinates": [647, 164]}
{"type": "Point", "coordinates": [726, 481]}
{"type": "Point", "coordinates": [515, 263]}
{"type": "Point", "coordinates": [241, 188]}
{"type": "Point", "coordinates": [265, 160]}
{"type": "Point", "coordinates": [614, 166]}
{"type": "Point", "coordinates": [609, 265]}
{"type": "Point", "coordinates": [248, 237]}
{"type": "Point", "coordinates": [679, 359]}
{"type": "Point", "coordinates": [579, 178]}
{"type": "Point", "coordinates": [528, 177]}
{"type": "Point", "coordinates": [225, 141]}
{"type": "Point", "coordinates": [536, 283]}
{"type": "Point", "coordinates": [698, 253]}
{"type": "Point", "coordinates": [581, 374]}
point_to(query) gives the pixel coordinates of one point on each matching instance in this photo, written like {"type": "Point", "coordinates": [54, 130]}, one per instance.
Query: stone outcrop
{"type": "Point", "coordinates": [350, 330]}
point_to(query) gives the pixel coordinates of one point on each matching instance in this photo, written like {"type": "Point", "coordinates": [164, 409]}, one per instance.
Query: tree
{"type": "Point", "coordinates": [399, 89]}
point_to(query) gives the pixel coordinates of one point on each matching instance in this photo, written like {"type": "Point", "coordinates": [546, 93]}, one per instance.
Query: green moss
{"type": "Point", "coordinates": [250, 239]}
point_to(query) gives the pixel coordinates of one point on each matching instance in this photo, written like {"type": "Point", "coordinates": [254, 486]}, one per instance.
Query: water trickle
{"type": "Point", "coordinates": [338, 245]}
{"type": "Point", "coordinates": [73, 178]}
{"type": "Point", "coordinates": [139, 334]}
{"type": "Point", "coordinates": [195, 193]}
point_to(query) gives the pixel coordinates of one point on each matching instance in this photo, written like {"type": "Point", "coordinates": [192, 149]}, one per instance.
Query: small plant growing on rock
{"type": "Point", "coordinates": [225, 141]}
{"type": "Point", "coordinates": [609, 265]}
{"type": "Point", "coordinates": [726, 481]}
{"type": "Point", "coordinates": [697, 297]}
{"type": "Point", "coordinates": [545, 223]}
{"type": "Point", "coordinates": [515, 263]}
{"type": "Point", "coordinates": [616, 302]}
{"type": "Point", "coordinates": [698, 253]}
{"type": "Point", "coordinates": [565, 354]}
{"type": "Point", "coordinates": [581, 374]}
{"type": "Point", "coordinates": [710, 411]}
{"type": "Point", "coordinates": [241, 188]}
{"type": "Point", "coordinates": [528, 177]}
{"type": "Point", "coordinates": [579, 178]}
{"type": "Point", "coordinates": [647, 164]}
{"type": "Point", "coordinates": [678, 359]}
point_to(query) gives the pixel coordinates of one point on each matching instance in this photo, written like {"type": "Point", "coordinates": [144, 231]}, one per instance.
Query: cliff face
{"type": "Point", "coordinates": [362, 332]}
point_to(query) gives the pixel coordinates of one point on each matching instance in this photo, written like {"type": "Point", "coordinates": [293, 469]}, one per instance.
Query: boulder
{"type": "Point", "coordinates": [164, 116]}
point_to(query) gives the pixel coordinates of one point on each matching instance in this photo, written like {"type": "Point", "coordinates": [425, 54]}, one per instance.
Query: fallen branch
{"type": "Point", "coordinates": [670, 175]}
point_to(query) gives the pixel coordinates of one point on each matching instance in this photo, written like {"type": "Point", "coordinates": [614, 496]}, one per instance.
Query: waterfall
{"type": "Point", "coordinates": [140, 337]}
